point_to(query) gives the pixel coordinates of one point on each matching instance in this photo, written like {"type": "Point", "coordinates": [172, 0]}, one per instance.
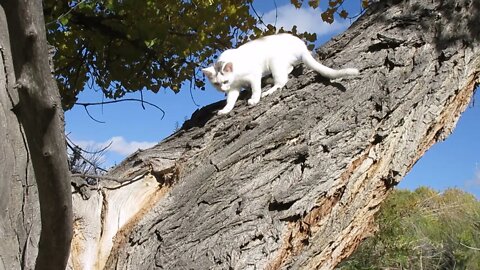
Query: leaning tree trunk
{"type": "Point", "coordinates": [35, 197]}
{"type": "Point", "coordinates": [294, 182]}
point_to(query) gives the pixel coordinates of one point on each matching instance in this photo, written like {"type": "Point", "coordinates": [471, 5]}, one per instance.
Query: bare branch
{"type": "Point", "coordinates": [91, 117]}
{"type": "Point", "coordinates": [74, 147]}
{"type": "Point", "coordinates": [191, 86]}
{"type": "Point", "coordinates": [66, 13]}
{"type": "Point", "coordinates": [121, 182]}
{"type": "Point", "coordinates": [89, 152]}
{"type": "Point", "coordinates": [258, 16]}
{"type": "Point", "coordinates": [86, 104]}
{"type": "Point", "coordinates": [141, 98]}
{"type": "Point", "coordinates": [99, 177]}
{"type": "Point", "coordinates": [276, 13]}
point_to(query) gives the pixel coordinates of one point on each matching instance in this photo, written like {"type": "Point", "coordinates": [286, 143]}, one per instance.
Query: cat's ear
{"type": "Point", "coordinates": [209, 71]}
{"type": "Point", "coordinates": [228, 67]}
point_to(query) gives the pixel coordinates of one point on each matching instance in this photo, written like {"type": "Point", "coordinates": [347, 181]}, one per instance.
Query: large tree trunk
{"type": "Point", "coordinates": [294, 182]}
{"type": "Point", "coordinates": [35, 197]}
{"type": "Point", "coordinates": [19, 216]}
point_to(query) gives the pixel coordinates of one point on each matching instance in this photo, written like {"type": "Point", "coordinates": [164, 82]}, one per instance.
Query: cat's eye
{"type": "Point", "coordinates": [225, 82]}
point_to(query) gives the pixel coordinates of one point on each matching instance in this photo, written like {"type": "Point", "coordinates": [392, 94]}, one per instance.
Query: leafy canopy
{"type": "Point", "coordinates": [128, 45]}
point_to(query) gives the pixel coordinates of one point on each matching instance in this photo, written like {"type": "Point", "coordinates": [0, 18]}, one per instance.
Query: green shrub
{"type": "Point", "coordinates": [423, 229]}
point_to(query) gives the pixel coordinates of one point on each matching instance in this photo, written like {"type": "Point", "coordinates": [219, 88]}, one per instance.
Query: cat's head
{"type": "Point", "coordinates": [220, 75]}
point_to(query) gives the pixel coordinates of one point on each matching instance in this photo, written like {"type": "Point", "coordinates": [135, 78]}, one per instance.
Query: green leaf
{"type": "Point", "coordinates": [314, 3]}
{"type": "Point", "coordinates": [64, 20]}
{"type": "Point", "coordinates": [365, 4]}
{"type": "Point", "coordinates": [343, 14]}
{"type": "Point", "coordinates": [327, 15]}
{"type": "Point", "coordinates": [297, 3]}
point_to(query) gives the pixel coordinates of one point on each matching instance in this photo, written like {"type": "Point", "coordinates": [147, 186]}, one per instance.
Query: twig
{"type": "Point", "coordinates": [362, 10]}
{"type": "Point", "coordinates": [276, 13]}
{"type": "Point", "coordinates": [65, 14]}
{"type": "Point", "coordinates": [96, 176]}
{"type": "Point", "coordinates": [191, 86]}
{"type": "Point", "coordinates": [258, 16]}
{"type": "Point", "coordinates": [89, 152]}
{"type": "Point", "coordinates": [91, 117]}
{"type": "Point", "coordinates": [86, 104]}
{"type": "Point", "coordinates": [84, 158]}
{"type": "Point", "coordinates": [141, 97]}
{"type": "Point", "coordinates": [473, 248]}
{"type": "Point", "coordinates": [121, 182]}
{"type": "Point", "coordinates": [191, 96]}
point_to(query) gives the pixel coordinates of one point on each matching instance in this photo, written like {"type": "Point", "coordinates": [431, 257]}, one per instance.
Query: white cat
{"type": "Point", "coordinates": [246, 65]}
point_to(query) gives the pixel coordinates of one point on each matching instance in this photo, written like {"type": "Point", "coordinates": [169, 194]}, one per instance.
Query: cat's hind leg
{"type": "Point", "coordinates": [280, 78]}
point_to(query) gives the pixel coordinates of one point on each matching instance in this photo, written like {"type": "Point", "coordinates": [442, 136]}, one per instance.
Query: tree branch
{"type": "Point", "coordinates": [66, 13]}
{"type": "Point", "coordinates": [86, 104]}
{"type": "Point", "coordinates": [73, 146]}
{"type": "Point", "coordinates": [256, 14]}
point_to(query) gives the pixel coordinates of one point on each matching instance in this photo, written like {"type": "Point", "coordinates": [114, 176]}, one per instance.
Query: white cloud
{"type": "Point", "coordinates": [117, 144]}
{"type": "Point", "coordinates": [475, 181]}
{"type": "Point", "coordinates": [121, 146]}
{"type": "Point", "coordinates": [306, 19]}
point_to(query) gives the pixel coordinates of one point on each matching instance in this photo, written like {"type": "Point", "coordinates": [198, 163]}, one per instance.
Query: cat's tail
{"type": "Point", "coordinates": [325, 71]}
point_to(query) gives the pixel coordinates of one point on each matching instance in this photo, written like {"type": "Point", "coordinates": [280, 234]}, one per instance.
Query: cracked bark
{"type": "Point", "coordinates": [35, 199]}
{"type": "Point", "coordinates": [294, 182]}
{"type": "Point", "coordinates": [19, 217]}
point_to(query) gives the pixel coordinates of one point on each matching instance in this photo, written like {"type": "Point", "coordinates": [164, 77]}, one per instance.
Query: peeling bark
{"type": "Point", "coordinates": [294, 182]}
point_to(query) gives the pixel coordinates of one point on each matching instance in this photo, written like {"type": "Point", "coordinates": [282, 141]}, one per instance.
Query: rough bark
{"type": "Point", "coordinates": [294, 182]}
{"type": "Point", "coordinates": [35, 201]}
{"type": "Point", "coordinates": [19, 216]}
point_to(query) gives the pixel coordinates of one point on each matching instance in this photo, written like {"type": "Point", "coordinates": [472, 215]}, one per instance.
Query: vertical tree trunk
{"type": "Point", "coordinates": [294, 182]}
{"type": "Point", "coordinates": [33, 138]}
{"type": "Point", "coordinates": [19, 215]}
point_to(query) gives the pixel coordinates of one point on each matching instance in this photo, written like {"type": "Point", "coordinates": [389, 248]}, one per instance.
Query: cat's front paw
{"type": "Point", "coordinates": [223, 111]}
{"type": "Point", "coordinates": [253, 102]}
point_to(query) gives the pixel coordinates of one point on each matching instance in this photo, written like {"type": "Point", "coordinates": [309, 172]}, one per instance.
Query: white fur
{"type": "Point", "coordinates": [276, 55]}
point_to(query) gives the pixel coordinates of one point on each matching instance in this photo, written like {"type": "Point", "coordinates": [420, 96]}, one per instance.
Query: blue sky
{"type": "Point", "coordinates": [452, 163]}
